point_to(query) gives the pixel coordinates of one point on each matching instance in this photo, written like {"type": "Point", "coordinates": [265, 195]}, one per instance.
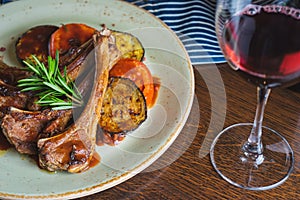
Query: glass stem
{"type": "Point", "coordinates": [253, 148]}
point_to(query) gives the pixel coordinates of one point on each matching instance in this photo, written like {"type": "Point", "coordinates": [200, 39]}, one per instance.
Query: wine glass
{"type": "Point", "coordinates": [260, 40]}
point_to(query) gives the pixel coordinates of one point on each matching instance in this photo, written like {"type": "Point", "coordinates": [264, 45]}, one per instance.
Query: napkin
{"type": "Point", "coordinates": [192, 21]}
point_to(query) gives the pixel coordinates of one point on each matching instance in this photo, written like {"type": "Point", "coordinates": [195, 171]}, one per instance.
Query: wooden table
{"type": "Point", "coordinates": [191, 175]}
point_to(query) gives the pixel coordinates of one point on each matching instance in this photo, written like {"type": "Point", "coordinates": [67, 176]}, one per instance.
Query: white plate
{"type": "Point", "coordinates": [166, 58]}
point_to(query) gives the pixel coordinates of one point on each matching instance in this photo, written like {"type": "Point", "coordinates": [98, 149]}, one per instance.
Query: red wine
{"type": "Point", "coordinates": [264, 42]}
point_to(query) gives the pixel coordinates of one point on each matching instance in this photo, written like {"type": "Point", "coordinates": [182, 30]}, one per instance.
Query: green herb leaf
{"type": "Point", "coordinates": [53, 89]}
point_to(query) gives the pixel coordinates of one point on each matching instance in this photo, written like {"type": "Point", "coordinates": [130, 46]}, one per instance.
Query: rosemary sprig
{"type": "Point", "coordinates": [53, 88]}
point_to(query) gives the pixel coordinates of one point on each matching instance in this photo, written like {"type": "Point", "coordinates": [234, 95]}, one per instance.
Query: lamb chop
{"type": "Point", "coordinates": [11, 96]}
{"type": "Point", "coordinates": [23, 125]}
{"type": "Point", "coordinates": [11, 75]}
{"type": "Point", "coordinates": [73, 149]}
{"type": "Point", "coordinates": [24, 128]}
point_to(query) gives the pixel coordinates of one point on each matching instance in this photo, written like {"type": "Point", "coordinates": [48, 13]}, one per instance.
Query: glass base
{"type": "Point", "coordinates": [267, 171]}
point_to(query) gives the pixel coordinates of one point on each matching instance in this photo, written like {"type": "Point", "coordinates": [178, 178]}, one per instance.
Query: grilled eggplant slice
{"type": "Point", "coordinates": [124, 106]}
{"type": "Point", "coordinates": [35, 42]}
{"type": "Point", "coordinates": [129, 45]}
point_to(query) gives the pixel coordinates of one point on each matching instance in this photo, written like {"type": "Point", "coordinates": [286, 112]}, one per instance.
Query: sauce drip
{"type": "Point", "coordinates": [95, 160]}
{"type": "Point", "coordinates": [156, 84]}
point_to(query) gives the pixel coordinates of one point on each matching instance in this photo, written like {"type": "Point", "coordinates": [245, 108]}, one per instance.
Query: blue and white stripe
{"type": "Point", "coordinates": [192, 21]}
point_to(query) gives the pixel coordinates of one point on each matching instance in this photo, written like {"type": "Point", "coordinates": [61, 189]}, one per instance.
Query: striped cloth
{"type": "Point", "coordinates": [192, 21]}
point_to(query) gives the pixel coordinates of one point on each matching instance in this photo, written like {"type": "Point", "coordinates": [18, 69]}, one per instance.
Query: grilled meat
{"type": "Point", "coordinates": [12, 96]}
{"type": "Point", "coordinates": [11, 75]}
{"type": "Point", "coordinates": [73, 149]}
{"type": "Point", "coordinates": [22, 128]}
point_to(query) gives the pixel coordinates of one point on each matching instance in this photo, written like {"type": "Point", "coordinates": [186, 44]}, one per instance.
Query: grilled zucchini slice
{"type": "Point", "coordinates": [129, 45]}
{"type": "Point", "coordinates": [35, 42]}
{"type": "Point", "coordinates": [124, 107]}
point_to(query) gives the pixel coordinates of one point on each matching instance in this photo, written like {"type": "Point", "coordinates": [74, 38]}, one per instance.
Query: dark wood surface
{"type": "Point", "coordinates": [191, 175]}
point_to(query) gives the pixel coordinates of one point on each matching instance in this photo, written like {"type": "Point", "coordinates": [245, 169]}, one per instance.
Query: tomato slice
{"type": "Point", "coordinates": [139, 73]}
{"type": "Point", "coordinates": [69, 36]}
